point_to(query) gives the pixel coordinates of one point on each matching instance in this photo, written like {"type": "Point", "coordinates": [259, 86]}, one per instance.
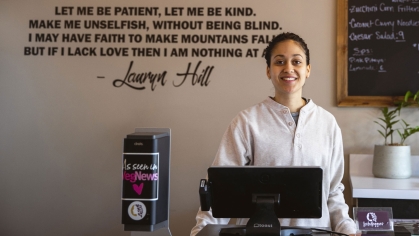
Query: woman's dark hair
{"type": "Point", "coordinates": [282, 37]}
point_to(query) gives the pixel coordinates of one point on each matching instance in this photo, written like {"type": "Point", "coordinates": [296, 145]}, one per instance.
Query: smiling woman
{"type": "Point", "coordinates": [288, 130]}
{"type": "Point", "coordinates": [288, 71]}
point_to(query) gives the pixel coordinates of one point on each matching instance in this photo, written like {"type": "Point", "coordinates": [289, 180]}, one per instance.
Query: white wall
{"type": "Point", "coordinates": [61, 128]}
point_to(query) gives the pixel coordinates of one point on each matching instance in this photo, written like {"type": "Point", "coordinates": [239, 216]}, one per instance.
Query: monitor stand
{"type": "Point", "coordinates": [264, 221]}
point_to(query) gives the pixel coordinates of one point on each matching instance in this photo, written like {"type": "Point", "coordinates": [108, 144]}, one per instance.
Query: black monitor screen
{"type": "Point", "coordinates": [234, 189]}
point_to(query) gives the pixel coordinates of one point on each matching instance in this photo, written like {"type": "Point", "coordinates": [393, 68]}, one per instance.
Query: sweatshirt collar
{"type": "Point", "coordinates": [276, 106]}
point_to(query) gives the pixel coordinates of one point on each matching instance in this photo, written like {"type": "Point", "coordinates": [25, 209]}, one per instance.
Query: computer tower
{"type": "Point", "coordinates": [145, 179]}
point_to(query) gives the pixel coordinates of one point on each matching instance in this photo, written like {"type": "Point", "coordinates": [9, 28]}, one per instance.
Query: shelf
{"type": "Point", "coordinates": [365, 185]}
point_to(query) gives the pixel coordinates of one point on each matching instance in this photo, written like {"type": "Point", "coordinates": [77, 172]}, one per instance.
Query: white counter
{"type": "Point", "coordinates": [365, 185]}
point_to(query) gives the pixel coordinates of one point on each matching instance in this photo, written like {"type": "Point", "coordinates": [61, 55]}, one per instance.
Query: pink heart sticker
{"type": "Point", "coordinates": [138, 188]}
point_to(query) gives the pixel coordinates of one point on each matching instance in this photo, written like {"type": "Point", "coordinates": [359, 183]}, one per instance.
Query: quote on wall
{"type": "Point", "coordinates": [147, 32]}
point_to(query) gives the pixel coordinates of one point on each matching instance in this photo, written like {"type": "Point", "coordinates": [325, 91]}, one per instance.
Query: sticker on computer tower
{"type": "Point", "coordinates": [140, 176]}
{"type": "Point", "coordinates": [137, 210]}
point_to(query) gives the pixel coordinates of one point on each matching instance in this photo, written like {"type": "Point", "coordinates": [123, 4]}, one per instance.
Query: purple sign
{"type": "Point", "coordinates": [374, 220]}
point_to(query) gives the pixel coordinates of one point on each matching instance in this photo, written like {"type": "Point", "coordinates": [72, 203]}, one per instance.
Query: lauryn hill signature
{"type": "Point", "coordinates": [139, 81]}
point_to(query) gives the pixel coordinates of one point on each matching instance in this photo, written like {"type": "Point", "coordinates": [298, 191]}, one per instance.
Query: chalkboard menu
{"type": "Point", "coordinates": [378, 46]}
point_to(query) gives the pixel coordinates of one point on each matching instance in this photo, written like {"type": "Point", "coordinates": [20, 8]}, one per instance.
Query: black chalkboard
{"type": "Point", "coordinates": [377, 51]}
{"type": "Point", "coordinates": [383, 47]}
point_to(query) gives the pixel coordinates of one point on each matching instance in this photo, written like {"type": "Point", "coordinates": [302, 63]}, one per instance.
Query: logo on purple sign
{"type": "Point", "coordinates": [377, 220]}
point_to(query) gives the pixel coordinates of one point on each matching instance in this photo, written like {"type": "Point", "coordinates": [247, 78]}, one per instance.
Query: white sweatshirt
{"type": "Point", "coordinates": [266, 135]}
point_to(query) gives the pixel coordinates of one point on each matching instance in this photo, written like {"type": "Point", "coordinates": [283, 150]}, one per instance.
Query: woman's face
{"type": "Point", "coordinates": [288, 70]}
